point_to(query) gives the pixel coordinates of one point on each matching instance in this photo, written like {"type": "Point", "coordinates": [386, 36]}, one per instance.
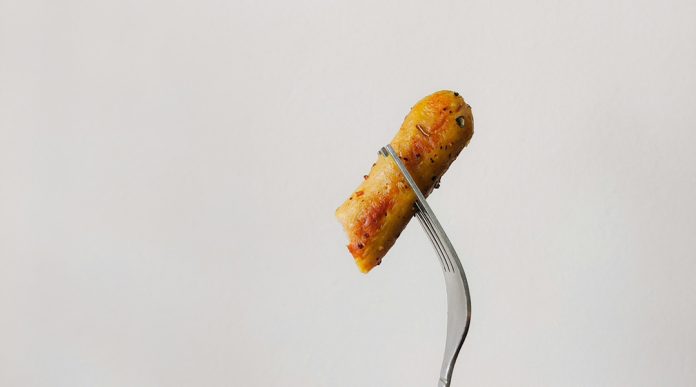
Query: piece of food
{"type": "Point", "coordinates": [438, 127]}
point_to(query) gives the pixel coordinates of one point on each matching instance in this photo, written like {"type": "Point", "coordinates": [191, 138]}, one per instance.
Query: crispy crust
{"type": "Point", "coordinates": [438, 127]}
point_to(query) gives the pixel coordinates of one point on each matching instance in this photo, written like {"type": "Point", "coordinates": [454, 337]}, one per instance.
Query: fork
{"type": "Point", "coordinates": [458, 298]}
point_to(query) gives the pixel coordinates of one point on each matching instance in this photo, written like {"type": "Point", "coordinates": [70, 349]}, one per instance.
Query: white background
{"type": "Point", "coordinates": [169, 172]}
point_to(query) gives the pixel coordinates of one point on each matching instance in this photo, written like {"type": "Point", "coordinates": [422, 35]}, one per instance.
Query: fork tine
{"type": "Point", "coordinates": [421, 212]}
{"type": "Point", "coordinates": [433, 240]}
{"type": "Point", "coordinates": [425, 222]}
{"type": "Point", "coordinates": [441, 246]}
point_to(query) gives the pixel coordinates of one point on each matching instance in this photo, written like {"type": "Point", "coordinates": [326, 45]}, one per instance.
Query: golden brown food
{"type": "Point", "coordinates": [438, 127]}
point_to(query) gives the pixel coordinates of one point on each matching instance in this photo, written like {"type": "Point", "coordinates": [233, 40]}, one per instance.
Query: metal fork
{"type": "Point", "coordinates": [458, 298]}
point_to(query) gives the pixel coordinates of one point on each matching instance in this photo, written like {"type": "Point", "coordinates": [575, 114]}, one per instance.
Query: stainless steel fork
{"type": "Point", "coordinates": [458, 298]}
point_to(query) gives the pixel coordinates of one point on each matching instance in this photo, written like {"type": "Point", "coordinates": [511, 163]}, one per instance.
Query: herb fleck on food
{"type": "Point", "coordinates": [461, 121]}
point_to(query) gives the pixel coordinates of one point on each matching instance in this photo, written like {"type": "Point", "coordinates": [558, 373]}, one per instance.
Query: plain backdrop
{"type": "Point", "coordinates": [169, 172]}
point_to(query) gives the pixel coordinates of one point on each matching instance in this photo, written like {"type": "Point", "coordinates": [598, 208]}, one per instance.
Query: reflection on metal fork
{"type": "Point", "coordinates": [458, 298]}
